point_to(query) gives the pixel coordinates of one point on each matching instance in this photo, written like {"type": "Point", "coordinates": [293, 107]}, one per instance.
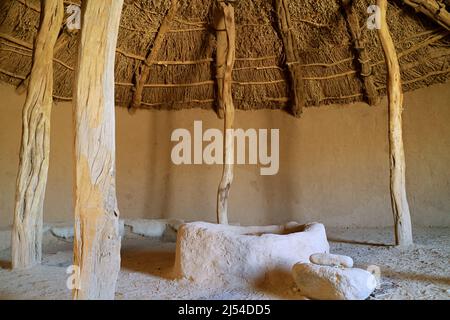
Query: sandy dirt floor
{"type": "Point", "coordinates": [420, 272]}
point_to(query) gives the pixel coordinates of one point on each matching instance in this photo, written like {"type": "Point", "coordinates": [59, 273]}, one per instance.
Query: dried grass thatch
{"type": "Point", "coordinates": [325, 54]}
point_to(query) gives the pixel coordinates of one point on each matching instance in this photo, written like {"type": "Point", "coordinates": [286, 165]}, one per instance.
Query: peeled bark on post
{"type": "Point", "coordinates": [61, 41]}
{"type": "Point", "coordinates": [96, 234]}
{"type": "Point", "coordinates": [26, 240]}
{"type": "Point", "coordinates": [400, 207]}
{"type": "Point", "coordinates": [226, 49]}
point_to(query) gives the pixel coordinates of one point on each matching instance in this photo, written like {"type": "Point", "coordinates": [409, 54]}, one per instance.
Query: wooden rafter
{"type": "Point", "coordinates": [296, 81]}
{"type": "Point", "coordinates": [143, 72]}
{"type": "Point", "coordinates": [362, 55]}
{"type": "Point", "coordinates": [433, 9]}
{"type": "Point", "coordinates": [221, 56]}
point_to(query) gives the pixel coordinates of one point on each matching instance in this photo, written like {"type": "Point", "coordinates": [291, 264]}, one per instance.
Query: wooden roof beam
{"type": "Point", "coordinates": [296, 82]}
{"type": "Point", "coordinates": [363, 60]}
{"type": "Point", "coordinates": [432, 9]}
{"type": "Point", "coordinates": [143, 73]}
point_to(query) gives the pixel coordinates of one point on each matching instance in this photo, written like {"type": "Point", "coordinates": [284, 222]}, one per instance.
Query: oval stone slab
{"type": "Point", "coordinates": [333, 260]}
{"type": "Point", "coordinates": [331, 283]}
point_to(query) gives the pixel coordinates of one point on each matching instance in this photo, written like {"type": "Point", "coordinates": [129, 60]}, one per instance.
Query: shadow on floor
{"type": "Point", "coordinates": [419, 277]}
{"type": "Point", "coordinates": [364, 243]}
{"type": "Point", "coordinates": [153, 261]}
{"type": "Point", "coordinates": [278, 283]}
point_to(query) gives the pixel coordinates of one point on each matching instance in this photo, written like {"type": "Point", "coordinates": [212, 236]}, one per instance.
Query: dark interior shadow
{"type": "Point", "coordinates": [364, 243]}
{"type": "Point", "coordinates": [277, 282]}
{"type": "Point", "coordinates": [155, 262]}
{"type": "Point", "coordinates": [418, 276]}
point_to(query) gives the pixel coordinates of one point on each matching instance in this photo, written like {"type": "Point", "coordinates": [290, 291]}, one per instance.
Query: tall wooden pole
{"type": "Point", "coordinates": [97, 239]}
{"type": "Point", "coordinates": [400, 207]}
{"type": "Point", "coordinates": [226, 43]}
{"type": "Point", "coordinates": [26, 240]}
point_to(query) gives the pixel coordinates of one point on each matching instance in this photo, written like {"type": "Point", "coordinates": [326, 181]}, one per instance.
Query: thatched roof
{"type": "Point", "coordinates": [183, 75]}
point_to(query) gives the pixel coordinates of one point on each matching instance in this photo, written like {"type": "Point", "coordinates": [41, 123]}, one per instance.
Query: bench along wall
{"type": "Point", "coordinates": [334, 165]}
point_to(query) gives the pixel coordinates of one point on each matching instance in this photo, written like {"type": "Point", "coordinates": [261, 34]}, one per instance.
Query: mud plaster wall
{"type": "Point", "coordinates": [333, 165]}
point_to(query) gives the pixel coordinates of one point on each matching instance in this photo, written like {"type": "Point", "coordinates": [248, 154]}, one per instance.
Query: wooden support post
{"type": "Point", "coordinates": [144, 72]}
{"type": "Point", "coordinates": [285, 27]}
{"type": "Point", "coordinates": [400, 207]}
{"type": "Point", "coordinates": [61, 41]}
{"type": "Point", "coordinates": [35, 145]}
{"type": "Point", "coordinates": [226, 100]}
{"type": "Point", "coordinates": [371, 93]}
{"type": "Point", "coordinates": [96, 234]}
{"type": "Point", "coordinates": [432, 9]}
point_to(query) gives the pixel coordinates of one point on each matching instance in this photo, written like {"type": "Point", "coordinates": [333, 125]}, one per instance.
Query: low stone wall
{"type": "Point", "coordinates": [221, 254]}
{"type": "Point", "coordinates": [163, 229]}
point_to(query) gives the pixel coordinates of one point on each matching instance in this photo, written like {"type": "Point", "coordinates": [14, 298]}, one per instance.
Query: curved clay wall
{"type": "Point", "coordinates": [333, 165]}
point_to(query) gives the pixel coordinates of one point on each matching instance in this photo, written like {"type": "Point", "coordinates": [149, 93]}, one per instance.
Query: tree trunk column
{"type": "Point", "coordinates": [226, 52]}
{"type": "Point", "coordinates": [26, 239]}
{"type": "Point", "coordinates": [400, 207]}
{"type": "Point", "coordinates": [96, 234]}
